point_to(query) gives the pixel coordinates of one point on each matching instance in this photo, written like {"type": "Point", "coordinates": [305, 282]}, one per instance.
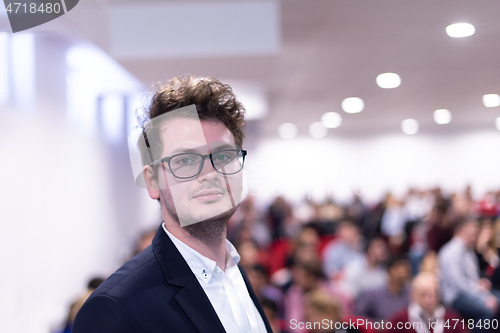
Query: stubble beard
{"type": "Point", "coordinates": [210, 231]}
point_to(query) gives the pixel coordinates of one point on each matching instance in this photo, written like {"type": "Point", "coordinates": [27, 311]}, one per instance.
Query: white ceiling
{"type": "Point", "coordinates": [331, 50]}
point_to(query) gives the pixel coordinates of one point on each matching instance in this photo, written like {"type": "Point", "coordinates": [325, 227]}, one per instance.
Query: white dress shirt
{"type": "Point", "coordinates": [226, 291]}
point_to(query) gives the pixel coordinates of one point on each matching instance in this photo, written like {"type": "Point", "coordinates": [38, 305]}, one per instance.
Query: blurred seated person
{"type": "Point", "coordinates": [304, 247]}
{"type": "Point", "coordinates": [367, 272]}
{"type": "Point", "coordinates": [271, 310]}
{"type": "Point", "coordinates": [492, 254]}
{"type": "Point", "coordinates": [259, 279]}
{"type": "Point", "coordinates": [308, 276]}
{"type": "Point", "coordinates": [425, 308]}
{"type": "Point", "coordinates": [279, 216]}
{"type": "Point", "coordinates": [486, 248]}
{"type": "Point", "coordinates": [462, 288]}
{"type": "Point", "coordinates": [382, 303]}
{"type": "Point", "coordinates": [324, 315]}
{"type": "Point", "coordinates": [144, 241]}
{"type": "Point", "coordinates": [343, 249]}
{"type": "Point", "coordinates": [249, 254]}
{"type": "Point", "coordinates": [441, 226]}
{"type": "Point", "coordinates": [392, 224]}
{"type": "Point", "coordinates": [75, 306]}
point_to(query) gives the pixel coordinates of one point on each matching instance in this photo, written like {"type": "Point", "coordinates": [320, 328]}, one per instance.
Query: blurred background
{"type": "Point", "coordinates": [372, 112]}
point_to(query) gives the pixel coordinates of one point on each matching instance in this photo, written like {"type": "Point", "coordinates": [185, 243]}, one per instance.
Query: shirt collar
{"type": "Point", "coordinates": [415, 310]}
{"type": "Point", "coordinates": [201, 266]}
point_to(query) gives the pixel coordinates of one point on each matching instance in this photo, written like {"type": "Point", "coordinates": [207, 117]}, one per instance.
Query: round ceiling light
{"type": "Point", "coordinates": [353, 105]}
{"type": "Point", "coordinates": [459, 30]}
{"type": "Point", "coordinates": [409, 126]}
{"type": "Point", "coordinates": [388, 80]}
{"type": "Point", "coordinates": [331, 120]}
{"type": "Point", "coordinates": [317, 130]}
{"type": "Point", "coordinates": [442, 116]}
{"type": "Point", "coordinates": [491, 100]}
{"type": "Point", "coordinates": [287, 131]}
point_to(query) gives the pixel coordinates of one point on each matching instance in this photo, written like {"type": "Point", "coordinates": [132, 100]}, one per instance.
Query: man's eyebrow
{"type": "Point", "coordinates": [196, 151]}
{"type": "Point", "coordinates": [184, 150]}
{"type": "Point", "coordinates": [224, 146]}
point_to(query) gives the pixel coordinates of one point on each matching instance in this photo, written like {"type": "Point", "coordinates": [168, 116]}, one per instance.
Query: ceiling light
{"type": "Point", "coordinates": [442, 116]}
{"type": "Point", "coordinates": [497, 123]}
{"type": "Point", "coordinates": [458, 30]}
{"type": "Point", "coordinates": [388, 80]}
{"type": "Point", "coordinates": [317, 130]}
{"type": "Point", "coordinates": [491, 100]}
{"type": "Point", "coordinates": [353, 105]}
{"type": "Point", "coordinates": [409, 126]}
{"type": "Point", "coordinates": [331, 120]}
{"type": "Point", "coordinates": [287, 131]}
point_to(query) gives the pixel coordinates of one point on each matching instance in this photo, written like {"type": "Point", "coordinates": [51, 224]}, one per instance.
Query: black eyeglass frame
{"type": "Point", "coordinates": [203, 157]}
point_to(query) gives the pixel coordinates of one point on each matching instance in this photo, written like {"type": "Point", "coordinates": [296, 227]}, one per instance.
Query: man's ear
{"type": "Point", "coordinates": [151, 183]}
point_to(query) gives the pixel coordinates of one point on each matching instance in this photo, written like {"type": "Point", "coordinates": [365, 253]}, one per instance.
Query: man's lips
{"type": "Point", "coordinates": [209, 194]}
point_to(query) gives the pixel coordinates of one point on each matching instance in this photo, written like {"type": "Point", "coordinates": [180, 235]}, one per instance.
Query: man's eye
{"type": "Point", "coordinates": [223, 157]}
{"type": "Point", "coordinates": [186, 160]}
{"type": "Point", "coordinates": [183, 161]}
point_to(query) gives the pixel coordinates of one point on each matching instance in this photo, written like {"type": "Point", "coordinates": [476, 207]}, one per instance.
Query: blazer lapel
{"type": "Point", "coordinates": [255, 300]}
{"type": "Point", "coordinates": [191, 297]}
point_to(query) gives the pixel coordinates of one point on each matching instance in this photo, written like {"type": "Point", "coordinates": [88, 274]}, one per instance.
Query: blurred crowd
{"type": "Point", "coordinates": [424, 258]}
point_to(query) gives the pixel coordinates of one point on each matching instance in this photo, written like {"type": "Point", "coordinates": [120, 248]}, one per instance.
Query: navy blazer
{"type": "Point", "coordinates": [154, 292]}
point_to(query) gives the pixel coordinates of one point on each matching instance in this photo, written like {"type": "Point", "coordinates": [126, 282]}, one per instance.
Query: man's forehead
{"type": "Point", "coordinates": [180, 134]}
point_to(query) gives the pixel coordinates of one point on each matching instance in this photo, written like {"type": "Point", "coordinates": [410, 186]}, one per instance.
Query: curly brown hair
{"type": "Point", "coordinates": [212, 99]}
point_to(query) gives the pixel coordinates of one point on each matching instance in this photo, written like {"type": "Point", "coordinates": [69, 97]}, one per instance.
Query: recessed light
{"type": "Point", "coordinates": [459, 30]}
{"type": "Point", "coordinates": [491, 100]}
{"type": "Point", "coordinates": [409, 126]}
{"type": "Point", "coordinates": [353, 105]}
{"type": "Point", "coordinates": [497, 123]}
{"type": "Point", "coordinates": [287, 131]}
{"type": "Point", "coordinates": [331, 120]}
{"type": "Point", "coordinates": [317, 130]}
{"type": "Point", "coordinates": [388, 80]}
{"type": "Point", "coordinates": [442, 116]}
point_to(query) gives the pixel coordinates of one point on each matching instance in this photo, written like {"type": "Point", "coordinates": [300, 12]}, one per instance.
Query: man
{"type": "Point", "coordinates": [345, 248]}
{"type": "Point", "coordinates": [367, 272]}
{"type": "Point", "coordinates": [188, 279]}
{"type": "Point", "coordinates": [461, 286]}
{"type": "Point", "coordinates": [382, 303]}
{"type": "Point", "coordinates": [425, 314]}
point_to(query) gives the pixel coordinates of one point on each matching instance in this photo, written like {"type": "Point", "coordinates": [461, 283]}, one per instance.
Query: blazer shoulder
{"type": "Point", "coordinates": [137, 275]}
{"type": "Point", "coordinates": [103, 314]}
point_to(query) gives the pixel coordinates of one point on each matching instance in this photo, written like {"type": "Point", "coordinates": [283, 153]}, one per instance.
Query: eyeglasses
{"type": "Point", "coordinates": [189, 165]}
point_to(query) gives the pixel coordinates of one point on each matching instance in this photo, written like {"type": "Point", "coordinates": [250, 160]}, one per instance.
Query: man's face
{"type": "Point", "coordinates": [426, 296]}
{"type": "Point", "coordinates": [400, 271]}
{"type": "Point", "coordinates": [470, 232]}
{"type": "Point", "coordinates": [209, 194]}
{"type": "Point", "coordinates": [377, 251]}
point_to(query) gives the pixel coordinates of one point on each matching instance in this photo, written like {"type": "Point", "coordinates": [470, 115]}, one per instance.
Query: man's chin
{"type": "Point", "coordinates": [210, 229]}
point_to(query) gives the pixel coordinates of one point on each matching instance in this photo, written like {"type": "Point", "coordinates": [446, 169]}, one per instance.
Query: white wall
{"type": "Point", "coordinates": [55, 219]}
{"type": "Point", "coordinates": [60, 210]}
{"type": "Point", "coordinates": [373, 165]}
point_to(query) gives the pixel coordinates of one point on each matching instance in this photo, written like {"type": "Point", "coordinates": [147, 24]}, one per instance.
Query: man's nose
{"type": "Point", "coordinates": [207, 170]}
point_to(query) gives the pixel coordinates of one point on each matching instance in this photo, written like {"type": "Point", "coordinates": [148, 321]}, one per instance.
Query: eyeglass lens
{"type": "Point", "coordinates": [188, 165]}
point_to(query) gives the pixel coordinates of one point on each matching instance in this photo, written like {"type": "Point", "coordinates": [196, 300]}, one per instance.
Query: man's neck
{"type": "Point", "coordinates": [463, 240]}
{"type": "Point", "coordinates": [372, 264]}
{"type": "Point", "coordinates": [215, 252]}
